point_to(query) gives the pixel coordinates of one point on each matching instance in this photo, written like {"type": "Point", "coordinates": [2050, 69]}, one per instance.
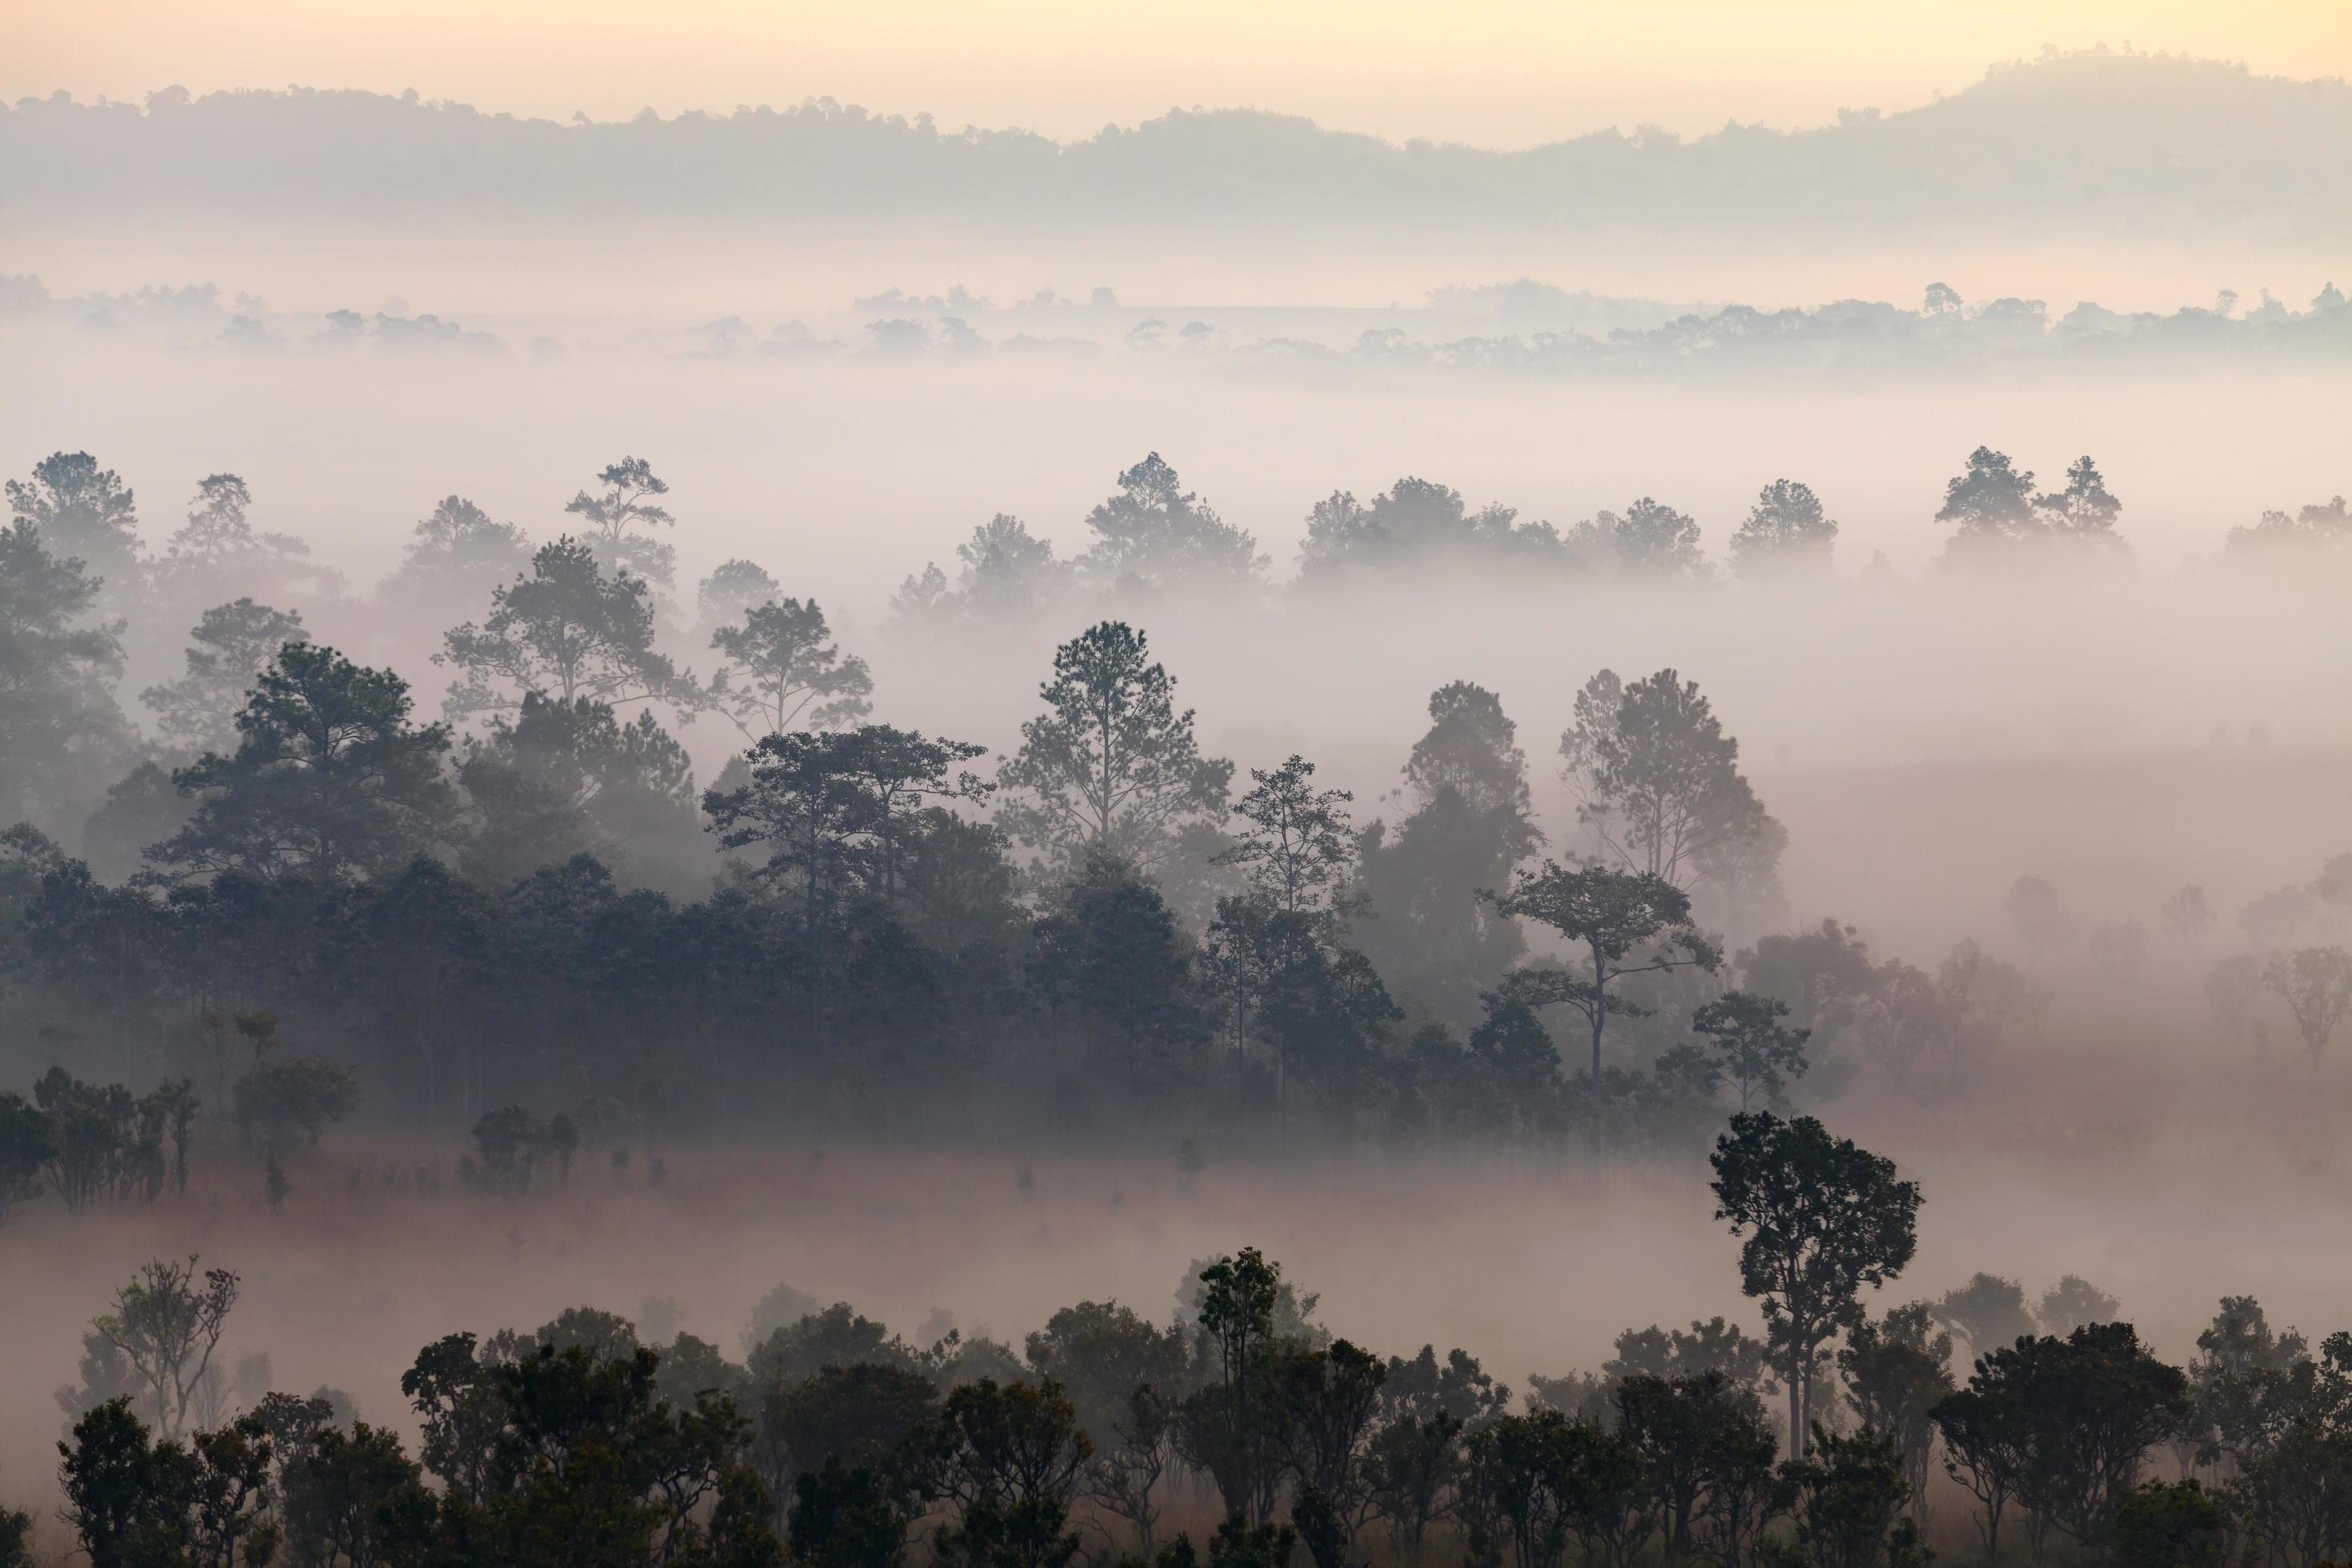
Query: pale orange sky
{"type": "Point", "coordinates": [1494, 72]}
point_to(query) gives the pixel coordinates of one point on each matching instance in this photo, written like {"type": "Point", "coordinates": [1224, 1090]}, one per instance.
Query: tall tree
{"type": "Point", "coordinates": [84, 512]}
{"type": "Point", "coordinates": [2317, 982]}
{"type": "Point", "coordinates": [1896, 1370]}
{"type": "Point", "coordinates": [1650, 541]}
{"type": "Point", "coordinates": [330, 778]}
{"type": "Point", "coordinates": [1296, 846]}
{"type": "Point", "coordinates": [1753, 1049]}
{"type": "Point", "coordinates": [561, 778]}
{"type": "Point", "coordinates": [1111, 960]}
{"type": "Point", "coordinates": [1819, 1220]}
{"type": "Point", "coordinates": [218, 550]}
{"type": "Point", "coordinates": [1156, 536]}
{"type": "Point", "coordinates": [619, 519]}
{"type": "Point", "coordinates": [2085, 510]}
{"type": "Point", "coordinates": [1787, 531]}
{"type": "Point", "coordinates": [1992, 502]}
{"type": "Point", "coordinates": [839, 809]}
{"type": "Point", "coordinates": [1658, 781]}
{"type": "Point", "coordinates": [455, 553]}
{"type": "Point", "coordinates": [783, 670]}
{"type": "Point", "coordinates": [229, 648]}
{"type": "Point", "coordinates": [1004, 574]}
{"type": "Point", "coordinates": [734, 589]}
{"type": "Point", "coordinates": [566, 631]}
{"type": "Point", "coordinates": [61, 731]}
{"type": "Point", "coordinates": [1627, 923]}
{"type": "Point", "coordinates": [1417, 521]}
{"type": "Point", "coordinates": [1110, 767]}
{"type": "Point", "coordinates": [1469, 826]}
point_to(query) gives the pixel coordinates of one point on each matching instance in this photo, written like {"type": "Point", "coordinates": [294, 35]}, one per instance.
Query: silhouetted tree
{"type": "Point", "coordinates": [784, 669]}
{"type": "Point", "coordinates": [565, 631]}
{"type": "Point", "coordinates": [1156, 537]}
{"type": "Point", "coordinates": [82, 512]}
{"type": "Point", "coordinates": [232, 644]}
{"type": "Point", "coordinates": [1820, 1218]}
{"type": "Point", "coordinates": [619, 519]}
{"type": "Point", "coordinates": [1111, 767]}
{"type": "Point", "coordinates": [1627, 923]}
{"type": "Point", "coordinates": [329, 779]}
{"type": "Point", "coordinates": [1787, 531]}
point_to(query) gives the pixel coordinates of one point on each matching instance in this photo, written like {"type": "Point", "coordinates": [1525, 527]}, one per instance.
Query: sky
{"type": "Point", "coordinates": [1494, 73]}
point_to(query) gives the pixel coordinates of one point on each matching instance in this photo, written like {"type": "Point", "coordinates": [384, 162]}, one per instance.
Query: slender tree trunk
{"type": "Point", "coordinates": [1795, 1404]}
{"type": "Point", "coordinates": [1600, 1008]}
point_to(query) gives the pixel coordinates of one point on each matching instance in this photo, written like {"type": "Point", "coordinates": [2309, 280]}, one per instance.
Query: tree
{"type": "Point", "coordinates": [1658, 781]}
{"type": "Point", "coordinates": [1330, 1400]}
{"type": "Point", "coordinates": [1987, 1450]}
{"type": "Point", "coordinates": [1110, 767]}
{"type": "Point", "coordinates": [2072, 1302]}
{"type": "Point", "coordinates": [784, 669]}
{"type": "Point", "coordinates": [1100, 1353]}
{"type": "Point", "coordinates": [1013, 1457]}
{"type": "Point", "coordinates": [1988, 1311]}
{"type": "Point", "coordinates": [177, 1101]}
{"type": "Point", "coordinates": [60, 728]}
{"type": "Point", "coordinates": [1231, 1429]}
{"type": "Point", "coordinates": [1111, 960]}
{"type": "Point", "coordinates": [2187, 915]}
{"type": "Point", "coordinates": [1823, 975]}
{"type": "Point", "coordinates": [1754, 1052]}
{"type": "Point", "coordinates": [219, 548]}
{"type": "Point", "coordinates": [734, 588]}
{"type": "Point", "coordinates": [1820, 1218]}
{"type": "Point", "coordinates": [1847, 1501]}
{"type": "Point", "coordinates": [2084, 511]}
{"type": "Point", "coordinates": [2316, 528]}
{"type": "Point", "coordinates": [167, 1324]}
{"type": "Point", "coordinates": [287, 1104]}
{"type": "Point", "coordinates": [1006, 574]}
{"type": "Point", "coordinates": [1651, 541]}
{"type": "Point", "coordinates": [1785, 531]}
{"type": "Point", "coordinates": [1896, 1370]}
{"type": "Point", "coordinates": [26, 1147]}
{"type": "Point", "coordinates": [2317, 982]}
{"type": "Point", "coordinates": [2170, 1524]}
{"type": "Point", "coordinates": [1628, 923]}
{"type": "Point", "coordinates": [1674, 1425]}
{"type": "Point", "coordinates": [1470, 826]}
{"type": "Point", "coordinates": [329, 779]}
{"type": "Point", "coordinates": [560, 778]}
{"type": "Point", "coordinates": [842, 807]}
{"type": "Point", "coordinates": [2066, 1424]}
{"type": "Point", "coordinates": [233, 644]}
{"type": "Point", "coordinates": [1298, 845]}
{"type": "Point", "coordinates": [452, 553]}
{"type": "Point", "coordinates": [615, 516]}
{"type": "Point", "coordinates": [565, 631]}
{"type": "Point", "coordinates": [1156, 537]}
{"type": "Point", "coordinates": [82, 512]}
{"type": "Point", "coordinates": [1411, 1475]}
{"type": "Point", "coordinates": [1991, 502]}
{"type": "Point", "coordinates": [1417, 522]}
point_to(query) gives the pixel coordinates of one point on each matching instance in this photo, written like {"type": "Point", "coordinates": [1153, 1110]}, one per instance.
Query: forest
{"type": "Point", "coordinates": [306, 943]}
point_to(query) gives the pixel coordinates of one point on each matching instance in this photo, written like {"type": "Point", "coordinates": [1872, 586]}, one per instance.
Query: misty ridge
{"type": "Point", "coordinates": [1520, 328]}
{"type": "Point", "coordinates": [2126, 146]}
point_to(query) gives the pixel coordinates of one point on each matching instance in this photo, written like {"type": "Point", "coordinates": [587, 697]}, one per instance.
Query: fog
{"type": "Point", "coordinates": [615, 716]}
